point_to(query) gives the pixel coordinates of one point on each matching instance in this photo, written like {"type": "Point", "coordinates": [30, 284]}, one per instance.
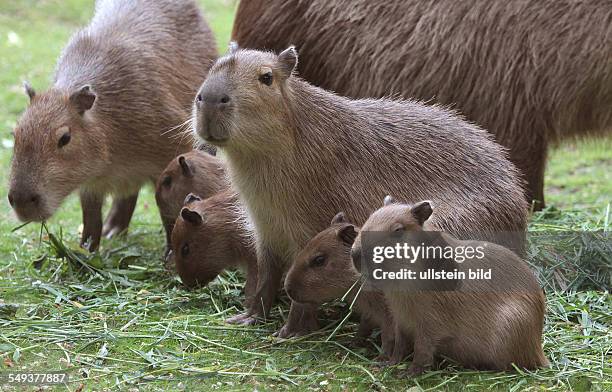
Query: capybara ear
{"type": "Point", "coordinates": [339, 218]}
{"type": "Point", "coordinates": [388, 200]}
{"type": "Point", "coordinates": [347, 234]}
{"type": "Point", "coordinates": [191, 198]}
{"type": "Point", "coordinates": [233, 47]}
{"type": "Point", "coordinates": [191, 216]}
{"type": "Point", "coordinates": [287, 61]}
{"type": "Point", "coordinates": [29, 90]}
{"type": "Point", "coordinates": [185, 167]}
{"type": "Point", "coordinates": [83, 99]}
{"type": "Point", "coordinates": [422, 211]}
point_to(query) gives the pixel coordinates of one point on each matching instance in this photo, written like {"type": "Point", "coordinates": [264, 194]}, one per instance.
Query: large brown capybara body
{"type": "Point", "coordinates": [297, 154]}
{"type": "Point", "coordinates": [111, 120]}
{"type": "Point", "coordinates": [530, 72]}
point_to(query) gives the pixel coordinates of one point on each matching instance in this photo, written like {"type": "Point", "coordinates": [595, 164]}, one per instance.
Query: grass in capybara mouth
{"type": "Point", "coordinates": [117, 319]}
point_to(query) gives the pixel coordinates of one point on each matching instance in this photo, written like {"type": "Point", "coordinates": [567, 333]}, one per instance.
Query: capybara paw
{"type": "Point", "coordinates": [112, 229]}
{"type": "Point", "coordinates": [242, 319]}
{"type": "Point", "coordinates": [416, 370]}
{"type": "Point", "coordinates": [288, 331]}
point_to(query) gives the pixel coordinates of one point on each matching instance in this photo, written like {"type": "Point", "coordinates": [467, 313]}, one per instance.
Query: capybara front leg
{"type": "Point", "coordinates": [301, 321]}
{"type": "Point", "coordinates": [91, 205]}
{"type": "Point", "coordinates": [269, 274]}
{"type": "Point", "coordinates": [119, 216]}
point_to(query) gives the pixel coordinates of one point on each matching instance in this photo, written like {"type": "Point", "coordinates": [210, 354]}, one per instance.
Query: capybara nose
{"type": "Point", "coordinates": [356, 256]}
{"type": "Point", "coordinates": [22, 199]}
{"type": "Point", "coordinates": [213, 100]}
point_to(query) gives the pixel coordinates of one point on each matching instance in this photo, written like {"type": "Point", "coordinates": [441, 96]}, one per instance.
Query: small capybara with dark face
{"type": "Point", "coordinates": [194, 172]}
{"type": "Point", "coordinates": [530, 72]}
{"type": "Point", "coordinates": [485, 323]}
{"type": "Point", "coordinates": [323, 271]}
{"type": "Point", "coordinates": [110, 122]}
{"type": "Point", "coordinates": [210, 236]}
{"type": "Point", "coordinates": [298, 154]}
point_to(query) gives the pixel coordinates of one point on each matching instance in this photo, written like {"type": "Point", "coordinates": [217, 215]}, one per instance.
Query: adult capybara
{"type": "Point", "coordinates": [485, 322]}
{"type": "Point", "coordinates": [210, 236]}
{"type": "Point", "coordinates": [110, 121]}
{"type": "Point", "coordinates": [323, 271]}
{"type": "Point", "coordinates": [195, 172]}
{"type": "Point", "coordinates": [297, 154]}
{"type": "Point", "coordinates": [530, 72]}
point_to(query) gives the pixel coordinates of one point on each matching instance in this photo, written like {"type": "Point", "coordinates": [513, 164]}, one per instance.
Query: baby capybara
{"type": "Point", "coordinates": [483, 322]}
{"type": "Point", "coordinates": [210, 236]}
{"type": "Point", "coordinates": [111, 120]}
{"type": "Point", "coordinates": [323, 271]}
{"type": "Point", "coordinates": [298, 154]}
{"type": "Point", "coordinates": [196, 172]}
{"type": "Point", "coordinates": [531, 72]}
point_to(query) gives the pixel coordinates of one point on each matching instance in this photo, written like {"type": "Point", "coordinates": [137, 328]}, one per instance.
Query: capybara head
{"type": "Point", "coordinates": [189, 172]}
{"type": "Point", "coordinates": [199, 248]}
{"type": "Point", "coordinates": [243, 88]}
{"type": "Point", "coordinates": [56, 150]}
{"type": "Point", "coordinates": [392, 217]}
{"type": "Point", "coordinates": [323, 271]}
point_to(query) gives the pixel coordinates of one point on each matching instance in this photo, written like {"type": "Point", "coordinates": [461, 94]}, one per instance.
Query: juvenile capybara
{"type": "Point", "coordinates": [297, 154]}
{"type": "Point", "coordinates": [210, 236]}
{"type": "Point", "coordinates": [484, 322]}
{"type": "Point", "coordinates": [196, 172]}
{"type": "Point", "coordinates": [531, 72]}
{"type": "Point", "coordinates": [111, 120]}
{"type": "Point", "coordinates": [323, 271]}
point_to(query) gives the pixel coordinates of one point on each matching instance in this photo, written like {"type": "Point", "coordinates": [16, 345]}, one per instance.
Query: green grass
{"type": "Point", "coordinates": [118, 320]}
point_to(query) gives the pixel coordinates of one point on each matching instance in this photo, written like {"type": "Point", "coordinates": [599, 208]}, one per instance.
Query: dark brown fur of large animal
{"type": "Point", "coordinates": [323, 271]}
{"type": "Point", "coordinates": [195, 172]}
{"type": "Point", "coordinates": [141, 62]}
{"type": "Point", "coordinates": [297, 154]}
{"type": "Point", "coordinates": [485, 324]}
{"type": "Point", "coordinates": [210, 236]}
{"type": "Point", "coordinates": [530, 72]}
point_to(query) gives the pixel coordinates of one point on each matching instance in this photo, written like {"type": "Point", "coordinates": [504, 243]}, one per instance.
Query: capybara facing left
{"type": "Point", "coordinates": [482, 323]}
{"type": "Point", "coordinates": [297, 155]}
{"type": "Point", "coordinates": [110, 121]}
{"type": "Point", "coordinates": [196, 172]}
{"type": "Point", "coordinates": [531, 72]}
{"type": "Point", "coordinates": [323, 271]}
{"type": "Point", "coordinates": [210, 236]}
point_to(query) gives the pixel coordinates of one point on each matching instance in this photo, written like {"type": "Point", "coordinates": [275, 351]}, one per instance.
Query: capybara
{"type": "Point", "coordinates": [531, 72]}
{"type": "Point", "coordinates": [123, 87]}
{"type": "Point", "coordinates": [298, 154]}
{"type": "Point", "coordinates": [195, 172]}
{"type": "Point", "coordinates": [212, 235]}
{"type": "Point", "coordinates": [323, 271]}
{"type": "Point", "coordinates": [486, 323]}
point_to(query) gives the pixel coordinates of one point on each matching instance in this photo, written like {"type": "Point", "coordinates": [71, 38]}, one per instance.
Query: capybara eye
{"type": "Point", "coordinates": [65, 139]}
{"type": "Point", "coordinates": [398, 228]}
{"type": "Point", "coordinates": [185, 250]}
{"type": "Point", "coordinates": [167, 182]}
{"type": "Point", "coordinates": [199, 98]}
{"type": "Point", "coordinates": [318, 261]}
{"type": "Point", "coordinates": [266, 78]}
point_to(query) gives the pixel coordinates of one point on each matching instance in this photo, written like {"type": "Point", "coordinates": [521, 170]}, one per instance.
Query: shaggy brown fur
{"type": "Point", "coordinates": [481, 324]}
{"type": "Point", "coordinates": [323, 271]}
{"type": "Point", "coordinates": [297, 154]}
{"type": "Point", "coordinates": [531, 72]}
{"type": "Point", "coordinates": [194, 172]}
{"type": "Point", "coordinates": [210, 236]}
{"type": "Point", "coordinates": [122, 88]}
